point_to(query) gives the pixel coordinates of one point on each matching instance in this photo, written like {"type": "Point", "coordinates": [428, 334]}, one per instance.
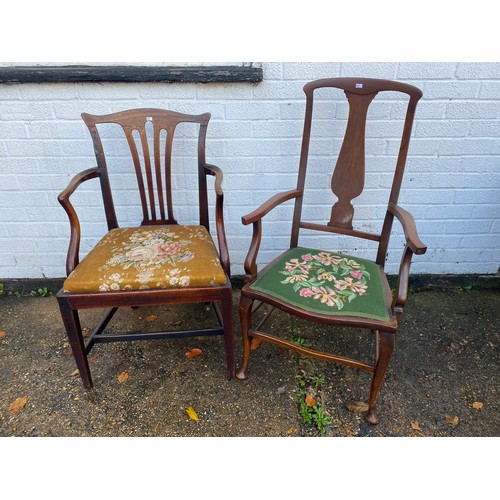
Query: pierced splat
{"type": "Point", "coordinates": [153, 171]}
{"type": "Point", "coordinates": [349, 175]}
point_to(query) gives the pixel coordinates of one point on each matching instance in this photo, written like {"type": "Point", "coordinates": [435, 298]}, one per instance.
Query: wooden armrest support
{"type": "Point", "coordinates": [219, 217]}
{"type": "Point", "coordinates": [72, 258]}
{"type": "Point", "coordinates": [403, 278]}
{"type": "Point", "coordinates": [217, 173]}
{"type": "Point", "coordinates": [410, 229]}
{"type": "Point", "coordinates": [269, 205]}
{"type": "Point", "coordinates": [255, 218]}
{"type": "Point", "coordinates": [90, 173]}
{"type": "Point", "coordinates": [413, 246]}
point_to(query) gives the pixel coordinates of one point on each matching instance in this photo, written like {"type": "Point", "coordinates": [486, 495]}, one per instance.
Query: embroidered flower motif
{"type": "Point", "coordinates": [184, 281]}
{"type": "Point", "coordinates": [306, 292]}
{"type": "Point", "coordinates": [295, 264]}
{"type": "Point", "coordinates": [169, 248]}
{"type": "Point", "coordinates": [145, 252]}
{"type": "Point", "coordinates": [328, 259]}
{"type": "Point", "coordinates": [295, 278]}
{"type": "Point", "coordinates": [326, 296]}
{"type": "Point", "coordinates": [309, 276]}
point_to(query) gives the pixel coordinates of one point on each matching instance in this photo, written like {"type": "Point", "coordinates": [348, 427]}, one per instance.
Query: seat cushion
{"type": "Point", "coordinates": [149, 257]}
{"type": "Point", "coordinates": [326, 283]}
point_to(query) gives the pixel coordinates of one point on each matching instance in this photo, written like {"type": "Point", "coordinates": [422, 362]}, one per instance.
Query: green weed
{"type": "Point", "coordinates": [310, 410]}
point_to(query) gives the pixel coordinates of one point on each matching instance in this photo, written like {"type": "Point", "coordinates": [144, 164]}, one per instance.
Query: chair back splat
{"type": "Point", "coordinates": [159, 262]}
{"type": "Point", "coordinates": [154, 178]}
{"type": "Point", "coordinates": [322, 286]}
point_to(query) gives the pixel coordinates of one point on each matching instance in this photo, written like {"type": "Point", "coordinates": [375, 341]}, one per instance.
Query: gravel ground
{"type": "Point", "coordinates": [442, 382]}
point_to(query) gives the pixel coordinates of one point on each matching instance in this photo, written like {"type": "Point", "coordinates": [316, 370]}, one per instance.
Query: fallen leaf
{"type": "Point", "coordinates": [191, 413]}
{"type": "Point", "coordinates": [310, 400]}
{"type": "Point", "coordinates": [3, 334]}
{"type": "Point", "coordinates": [452, 420]}
{"type": "Point", "coordinates": [347, 431]}
{"type": "Point", "coordinates": [416, 427]}
{"type": "Point", "coordinates": [291, 431]}
{"type": "Point", "coordinates": [123, 377]}
{"type": "Point", "coordinates": [357, 406]}
{"type": "Point", "coordinates": [17, 405]}
{"type": "Point", "coordinates": [176, 323]}
{"type": "Point", "coordinates": [477, 405]}
{"type": "Point", "coordinates": [74, 374]}
{"type": "Point", "coordinates": [193, 353]}
{"type": "Point", "coordinates": [151, 317]}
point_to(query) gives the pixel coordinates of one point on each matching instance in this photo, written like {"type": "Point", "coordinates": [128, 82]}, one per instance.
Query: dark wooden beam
{"type": "Point", "coordinates": [167, 74]}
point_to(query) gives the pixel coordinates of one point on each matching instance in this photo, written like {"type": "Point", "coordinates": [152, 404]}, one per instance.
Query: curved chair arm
{"type": "Point", "coordinates": [410, 229]}
{"type": "Point", "coordinates": [413, 246]}
{"type": "Point", "coordinates": [219, 217]}
{"type": "Point", "coordinates": [255, 218]}
{"type": "Point", "coordinates": [72, 258]}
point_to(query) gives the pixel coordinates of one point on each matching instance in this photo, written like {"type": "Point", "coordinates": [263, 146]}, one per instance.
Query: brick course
{"type": "Point", "coordinates": [452, 182]}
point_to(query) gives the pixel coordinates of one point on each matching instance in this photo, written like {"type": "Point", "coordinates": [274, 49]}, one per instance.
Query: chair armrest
{"type": "Point", "coordinates": [266, 207]}
{"type": "Point", "coordinates": [72, 258]}
{"type": "Point", "coordinates": [255, 218]}
{"type": "Point", "coordinates": [217, 173]}
{"type": "Point", "coordinates": [219, 217]}
{"type": "Point", "coordinates": [413, 246]}
{"type": "Point", "coordinates": [409, 228]}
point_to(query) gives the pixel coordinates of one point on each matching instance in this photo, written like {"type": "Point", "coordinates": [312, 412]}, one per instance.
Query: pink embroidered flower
{"type": "Point", "coordinates": [295, 264]}
{"type": "Point", "coordinates": [325, 296]}
{"type": "Point", "coordinates": [140, 253]}
{"type": "Point", "coordinates": [295, 278]}
{"type": "Point", "coordinates": [307, 257]}
{"type": "Point", "coordinates": [356, 287]}
{"type": "Point", "coordinates": [326, 276]}
{"type": "Point", "coordinates": [356, 274]}
{"type": "Point", "coordinates": [353, 263]}
{"type": "Point", "coordinates": [327, 259]}
{"type": "Point", "coordinates": [169, 248]}
{"type": "Point", "coordinates": [359, 288]}
{"type": "Point", "coordinates": [306, 292]}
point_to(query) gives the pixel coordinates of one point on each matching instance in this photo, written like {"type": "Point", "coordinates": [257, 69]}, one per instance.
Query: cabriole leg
{"type": "Point", "coordinates": [386, 348]}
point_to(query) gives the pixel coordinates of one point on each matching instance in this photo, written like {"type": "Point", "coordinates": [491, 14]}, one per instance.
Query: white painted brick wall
{"type": "Point", "coordinates": [452, 182]}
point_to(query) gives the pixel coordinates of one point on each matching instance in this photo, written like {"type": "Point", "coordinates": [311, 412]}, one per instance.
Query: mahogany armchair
{"type": "Point", "coordinates": [158, 262]}
{"type": "Point", "coordinates": [319, 284]}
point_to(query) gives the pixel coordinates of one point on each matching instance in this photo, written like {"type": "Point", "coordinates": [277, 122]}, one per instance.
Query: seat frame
{"type": "Point", "coordinates": [160, 195]}
{"type": "Point", "coordinates": [347, 183]}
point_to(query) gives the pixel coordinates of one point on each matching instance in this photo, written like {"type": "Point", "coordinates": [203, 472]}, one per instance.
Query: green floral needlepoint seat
{"type": "Point", "coordinates": [327, 283]}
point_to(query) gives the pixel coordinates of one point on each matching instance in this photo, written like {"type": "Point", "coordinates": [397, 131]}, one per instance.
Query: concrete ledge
{"type": "Point", "coordinates": [417, 282]}
{"type": "Point", "coordinates": [166, 74]}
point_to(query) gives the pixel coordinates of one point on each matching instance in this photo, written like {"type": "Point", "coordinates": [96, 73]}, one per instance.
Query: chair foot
{"type": "Point", "coordinates": [241, 374]}
{"type": "Point", "coordinates": [372, 418]}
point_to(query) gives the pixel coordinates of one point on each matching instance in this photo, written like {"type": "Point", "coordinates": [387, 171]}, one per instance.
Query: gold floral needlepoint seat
{"type": "Point", "coordinates": [148, 257]}
{"type": "Point", "coordinates": [327, 283]}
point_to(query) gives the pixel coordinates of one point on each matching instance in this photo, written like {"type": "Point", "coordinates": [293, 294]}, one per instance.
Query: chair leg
{"type": "Point", "coordinates": [245, 321]}
{"type": "Point", "coordinates": [74, 331]}
{"type": "Point", "coordinates": [227, 323]}
{"type": "Point", "coordinates": [386, 343]}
